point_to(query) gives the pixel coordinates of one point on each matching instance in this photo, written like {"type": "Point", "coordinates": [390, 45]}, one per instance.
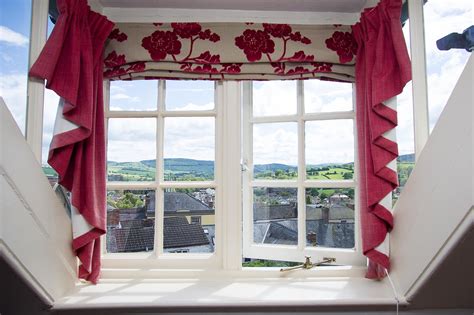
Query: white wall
{"type": "Point", "coordinates": [35, 230]}
{"type": "Point", "coordinates": [435, 211]}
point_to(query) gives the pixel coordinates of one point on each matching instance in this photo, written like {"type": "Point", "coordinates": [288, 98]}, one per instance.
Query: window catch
{"type": "Point", "coordinates": [308, 264]}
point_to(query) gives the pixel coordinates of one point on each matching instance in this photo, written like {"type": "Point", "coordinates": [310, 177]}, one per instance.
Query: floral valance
{"type": "Point", "coordinates": [235, 51]}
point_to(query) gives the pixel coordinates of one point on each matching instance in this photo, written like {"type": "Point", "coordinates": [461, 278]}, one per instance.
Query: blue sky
{"type": "Point", "coordinates": [195, 140]}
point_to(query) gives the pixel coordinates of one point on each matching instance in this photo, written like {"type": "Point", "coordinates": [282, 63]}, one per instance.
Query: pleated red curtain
{"type": "Point", "coordinates": [382, 69]}
{"type": "Point", "coordinates": [72, 64]}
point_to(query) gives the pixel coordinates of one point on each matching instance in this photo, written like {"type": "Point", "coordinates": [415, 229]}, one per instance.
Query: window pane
{"type": "Point", "coordinates": [327, 96]}
{"type": "Point", "coordinates": [273, 98]}
{"type": "Point", "coordinates": [51, 101]}
{"type": "Point", "coordinates": [189, 220]}
{"type": "Point", "coordinates": [275, 216]}
{"type": "Point", "coordinates": [405, 130]}
{"type": "Point", "coordinates": [139, 95]}
{"type": "Point", "coordinates": [131, 149]}
{"type": "Point", "coordinates": [330, 217]}
{"type": "Point", "coordinates": [275, 151]}
{"type": "Point", "coordinates": [130, 221]}
{"type": "Point", "coordinates": [189, 95]}
{"type": "Point", "coordinates": [330, 149]}
{"type": "Point", "coordinates": [189, 149]}
{"type": "Point", "coordinates": [15, 22]}
{"type": "Point", "coordinates": [444, 67]}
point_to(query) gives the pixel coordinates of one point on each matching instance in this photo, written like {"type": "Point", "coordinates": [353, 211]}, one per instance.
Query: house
{"type": "Point", "coordinates": [430, 243]}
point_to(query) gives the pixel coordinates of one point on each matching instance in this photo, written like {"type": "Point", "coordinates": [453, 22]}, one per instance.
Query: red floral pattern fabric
{"type": "Point", "coordinates": [117, 35]}
{"type": "Point", "coordinates": [344, 44]}
{"type": "Point", "coordinates": [239, 51]}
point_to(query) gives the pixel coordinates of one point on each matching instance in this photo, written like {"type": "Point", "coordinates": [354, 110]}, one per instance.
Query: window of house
{"type": "Point", "coordinates": [299, 183]}
{"type": "Point", "coordinates": [165, 169]}
{"type": "Point", "coordinates": [162, 169]}
{"type": "Point", "coordinates": [196, 220]}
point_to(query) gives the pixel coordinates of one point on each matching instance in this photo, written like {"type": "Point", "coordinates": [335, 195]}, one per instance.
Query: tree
{"type": "Point", "coordinates": [279, 173]}
{"type": "Point", "coordinates": [129, 200]}
{"type": "Point", "coordinates": [313, 192]}
{"type": "Point", "coordinates": [347, 175]}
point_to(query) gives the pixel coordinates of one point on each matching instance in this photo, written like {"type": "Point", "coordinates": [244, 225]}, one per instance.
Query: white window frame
{"type": "Point", "coordinates": [158, 258]}
{"type": "Point", "coordinates": [353, 257]}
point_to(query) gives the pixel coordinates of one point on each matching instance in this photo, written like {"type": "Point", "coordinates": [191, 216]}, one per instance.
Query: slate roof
{"type": "Point", "coordinates": [138, 235]}
{"type": "Point", "coordinates": [137, 223]}
{"type": "Point", "coordinates": [133, 239]}
{"type": "Point", "coordinates": [175, 201]}
{"type": "Point", "coordinates": [280, 234]}
{"type": "Point", "coordinates": [329, 234]}
{"type": "Point", "coordinates": [184, 236]}
{"type": "Point", "coordinates": [169, 221]}
{"type": "Point", "coordinates": [113, 217]}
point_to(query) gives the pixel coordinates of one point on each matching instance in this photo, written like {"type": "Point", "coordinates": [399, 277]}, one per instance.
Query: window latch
{"type": "Point", "coordinates": [308, 264]}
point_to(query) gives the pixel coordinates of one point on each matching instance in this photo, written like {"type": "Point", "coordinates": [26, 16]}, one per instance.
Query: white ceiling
{"type": "Point", "coordinates": [348, 6]}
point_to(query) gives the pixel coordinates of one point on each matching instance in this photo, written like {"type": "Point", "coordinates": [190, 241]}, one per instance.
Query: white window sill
{"type": "Point", "coordinates": [246, 288]}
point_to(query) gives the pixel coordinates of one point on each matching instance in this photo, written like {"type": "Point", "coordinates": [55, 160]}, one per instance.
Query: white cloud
{"type": "Point", "coordinates": [327, 96]}
{"type": "Point", "coordinates": [191, 107]}
{"type": "Point", "coordinates": [329, 141]}
{"type": "Point", "coordinates": [273, 98]}
{"type": "Point", "coordinates": [13, 91]}
{"type": "Point", "coordinates": [122, 96]}
{"type": "Point", "coordinates": [11, 37]}
{"type": "Point", "coordinates": [275, 143]}
{"type": "Point", "coordinates": [7, 58]}
{"type": "Point", "coordinates": [131, 139]}
{"type": "Point", "coordinates": [192, 138]}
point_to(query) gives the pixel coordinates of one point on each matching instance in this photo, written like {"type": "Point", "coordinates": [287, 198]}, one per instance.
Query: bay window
{"type": "Point", "coordinates": [174, 147]}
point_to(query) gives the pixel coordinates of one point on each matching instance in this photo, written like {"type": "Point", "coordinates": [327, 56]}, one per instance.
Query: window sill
{"type": "Point", "coordinates": [246, 288]}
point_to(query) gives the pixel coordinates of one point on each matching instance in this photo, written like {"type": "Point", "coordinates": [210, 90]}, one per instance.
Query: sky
{"type": "Point", "coordinates": [194, 137]}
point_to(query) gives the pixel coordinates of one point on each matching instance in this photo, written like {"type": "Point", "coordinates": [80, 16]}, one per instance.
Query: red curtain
{"type": "Point", "coordinates": [382, 70]}
{"type": "Point", "coordinates": [71, 62]}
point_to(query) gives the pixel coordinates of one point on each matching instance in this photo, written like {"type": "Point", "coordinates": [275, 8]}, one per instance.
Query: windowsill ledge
{"type": "Point", "coordinates": [228, 290]}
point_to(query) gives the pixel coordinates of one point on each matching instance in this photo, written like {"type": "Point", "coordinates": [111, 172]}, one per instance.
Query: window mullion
{"type": "Point", "coordinates": [159, 193]}
{"type": "Point", "coordinates": [301, 167]}
{"type": "Point", "coordinates": [247, 167]}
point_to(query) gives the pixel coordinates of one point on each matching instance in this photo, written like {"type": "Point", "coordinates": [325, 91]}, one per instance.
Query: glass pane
{"type": "Point", "coordinates": [189, 149]}
{"type": "Point", "coordinates": [131, 149]}
{"type": "Point", "coordinates": [275, 151]}
{"type": "Point", "coordinates": [250, 262]}
{"type": "Point", "coordinates": [189, 95]}
{"type": "Point", "coordinates": [405, 130]}
{"type": "Point", "coordinates": [15, 22]}
{"type": "Point", "coordinates": [327, 96]}
{"type": "Point", "coordinates": [329, 149]}
{"type": "Point", "coordinates": [330, 217]}
{"type": "Point", "coordinates": [444, 67]}
{"type": "Point", "coordinates": [51, 101]}
{"type": "Point", "coordinates": [189, 220]}
{"type": "Point", "coordinates": [130, 221]}
{"type": "Point", "coordinates": [275, 216]}
{"type": "Point", "coordinates": [273, 98]}
{"type": "Point", "coordinates": [139, 95]}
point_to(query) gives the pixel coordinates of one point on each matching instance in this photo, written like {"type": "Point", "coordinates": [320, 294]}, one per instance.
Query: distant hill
{"type": "Point", "coordinates": [407, 158]}
{"type": "Point", "coordinates": [273, 167]}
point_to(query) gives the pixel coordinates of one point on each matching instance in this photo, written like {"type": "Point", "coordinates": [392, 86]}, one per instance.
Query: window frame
{"type": "Point", "coordinates": [353, 257]}
{"type": "Point", "coordinates": [158, 258]}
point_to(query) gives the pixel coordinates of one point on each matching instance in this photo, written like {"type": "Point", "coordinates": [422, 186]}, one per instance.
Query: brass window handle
{"type": "Point", "coordinates": [308, 264]}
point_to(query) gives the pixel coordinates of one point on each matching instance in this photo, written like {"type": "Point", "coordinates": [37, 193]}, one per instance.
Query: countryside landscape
{"type": "Point", "coordinates": [177, 169]}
